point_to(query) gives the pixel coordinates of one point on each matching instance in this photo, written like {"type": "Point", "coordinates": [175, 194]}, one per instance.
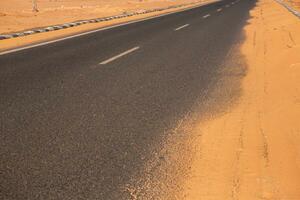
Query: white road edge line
{"type": "Point", "coordinates": [181, 27]}
{"type": "Point", "coordinates": [219, 10]}
{"type": "Point", "coordinates": [119, 56]}
{"type": "Point", "coordinates": [101, 29]}
{"type": "Point", "coordinates": [206, 16]}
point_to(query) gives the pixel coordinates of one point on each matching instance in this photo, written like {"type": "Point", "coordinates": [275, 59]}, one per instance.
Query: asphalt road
{"type": "Point", "coordinates": [79, 117]}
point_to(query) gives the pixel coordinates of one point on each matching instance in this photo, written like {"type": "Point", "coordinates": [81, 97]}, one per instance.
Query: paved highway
{"type": "Point", "coordinates": [80, 116]}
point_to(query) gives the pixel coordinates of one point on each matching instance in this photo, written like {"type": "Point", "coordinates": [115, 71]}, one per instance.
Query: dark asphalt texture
{"type": "Point", "coordinates": [74, 129]}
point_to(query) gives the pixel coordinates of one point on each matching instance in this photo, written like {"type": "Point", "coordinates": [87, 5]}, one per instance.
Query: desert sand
{"type": "Point", "coordinates": [17, 15]}
{"type": "Point", "coordinates": [294, 3]}
{"type": "Point", "coordinates": [252, 151]}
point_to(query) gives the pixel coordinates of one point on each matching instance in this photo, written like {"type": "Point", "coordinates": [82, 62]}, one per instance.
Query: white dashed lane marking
{"type": "Point", "coordinates": [206, 16]}
{"type": "Point", "coordinates": [219, 10]}
{"type": "Point", "coordinates": [119, 56]}
{"type": "Point", "coordinates": [181, 27]}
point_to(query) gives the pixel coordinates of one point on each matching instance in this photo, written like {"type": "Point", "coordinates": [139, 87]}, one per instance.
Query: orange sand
{"type": "Point", "coordinates": [17, 15]}
{"type": "Point", "coordinates": [253, 151]}
{"type": "Point", "coordinates": [294, 3]}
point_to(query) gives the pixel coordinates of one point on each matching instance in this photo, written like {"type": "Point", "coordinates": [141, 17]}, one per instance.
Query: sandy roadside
{"type": "Point", "coordinates": [252, 151]}
{"type": "Point", "coordinates": [17, 15]}
{"type": "Point", "coordinates": [41, 37]}
{"type": "Point", "coordinates": [294, 3]}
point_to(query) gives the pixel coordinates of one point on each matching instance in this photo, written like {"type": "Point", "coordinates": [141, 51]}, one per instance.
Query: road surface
{"type": "Point", "coordinates": [79, 117]}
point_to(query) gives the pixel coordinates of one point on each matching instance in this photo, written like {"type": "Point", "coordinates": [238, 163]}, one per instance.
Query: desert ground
{"type": "Point", "coordinates": [252, 151]}
{"type": "Point", "coordinates": [17, 15]}
{"type": "Point", "coordinates": [294, 3]}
